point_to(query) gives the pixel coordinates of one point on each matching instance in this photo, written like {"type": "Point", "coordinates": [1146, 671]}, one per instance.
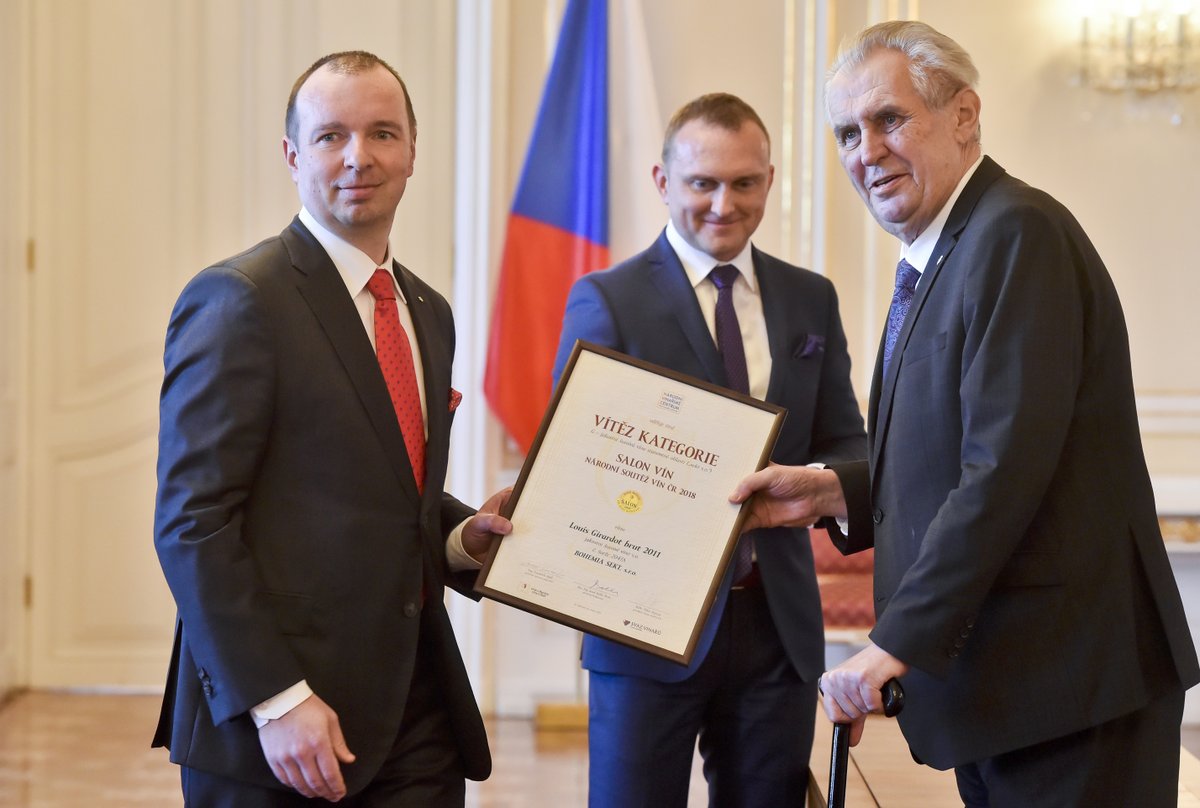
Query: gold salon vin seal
{"type": "Point", "coordinates": [622, 525]}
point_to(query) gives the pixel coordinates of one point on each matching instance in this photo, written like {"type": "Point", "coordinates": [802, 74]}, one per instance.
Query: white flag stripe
{"type": "Point", "coordinates": [636, 214]}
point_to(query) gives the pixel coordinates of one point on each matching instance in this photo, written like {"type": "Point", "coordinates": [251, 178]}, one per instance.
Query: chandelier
{"type": "Point", "coordinates": [1141, 46]}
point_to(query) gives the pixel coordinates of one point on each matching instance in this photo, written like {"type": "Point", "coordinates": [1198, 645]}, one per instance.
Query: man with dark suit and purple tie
{"type": "Point", "coordinates": [300, 521]}
{"type": "Point", "coordinates": [1023, 593]}
{"type": "Point", "coordinates": [704, 301]}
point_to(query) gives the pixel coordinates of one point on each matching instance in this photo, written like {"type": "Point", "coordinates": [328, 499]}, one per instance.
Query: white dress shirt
{"type": "Point", "coordinates": [921, 250]}
{"type": "Point", "coordinates": [747, 303]}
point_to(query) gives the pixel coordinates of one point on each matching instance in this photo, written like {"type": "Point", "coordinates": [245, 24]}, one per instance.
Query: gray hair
{"type": "Point", "coordinates": [939, 66]}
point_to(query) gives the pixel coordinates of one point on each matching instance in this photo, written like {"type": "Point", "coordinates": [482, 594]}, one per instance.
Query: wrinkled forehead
{"type": "Point", "coordinates": [880, 82]}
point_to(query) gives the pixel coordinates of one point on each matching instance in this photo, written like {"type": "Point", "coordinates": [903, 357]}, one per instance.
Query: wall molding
{"type": "Point", "coordinates": [1169, 413]}
{"type": "Point", "coordinates": [1177, 495]}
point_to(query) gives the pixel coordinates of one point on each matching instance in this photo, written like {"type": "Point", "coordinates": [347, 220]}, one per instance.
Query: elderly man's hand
{"type": "Point", "coordinates": [790, 496]}
{"type": "Point", "coordinates": [851, 691]}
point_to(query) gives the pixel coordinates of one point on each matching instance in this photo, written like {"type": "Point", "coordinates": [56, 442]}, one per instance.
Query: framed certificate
{"type": "Point", "coordinates": [622, 525]}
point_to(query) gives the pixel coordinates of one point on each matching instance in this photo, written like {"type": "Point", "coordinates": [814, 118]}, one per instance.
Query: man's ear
{"type": "Point", "coordinates": [966, 110]}
{"type": "Point", "coordinates": [660, 180]}
{"type": "Point", "coordinates": [289, 156]}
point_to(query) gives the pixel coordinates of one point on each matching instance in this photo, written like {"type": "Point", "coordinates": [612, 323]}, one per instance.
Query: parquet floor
{"type": "Point", "coordinates": [60, 750]}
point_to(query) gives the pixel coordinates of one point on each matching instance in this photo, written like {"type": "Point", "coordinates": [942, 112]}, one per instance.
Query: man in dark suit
{"type": "Point", "coordinates": [301, 522]}
{"type": "Point", "coordinates": [1023, 593]}
{"type": "Point", "coordinates": [702, 300]}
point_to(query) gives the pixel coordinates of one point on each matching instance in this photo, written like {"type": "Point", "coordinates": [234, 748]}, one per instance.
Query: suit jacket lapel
{"type": "Point", "coordinates": [677, 294]}
{"type": "Point", "coordinates": [881, 404]}
{"type": "Point", "coordinates": [323, 290]}
{"type": "Point", "coordinates": [780, 330]}
{"type": "Point", "coordinates": [435, 367]}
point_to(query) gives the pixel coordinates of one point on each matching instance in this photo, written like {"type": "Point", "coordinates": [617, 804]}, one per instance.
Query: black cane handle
{"type": "Point", "coordinates": [893, 698]}
{"type": "Point", "coordinates": [893, 703]}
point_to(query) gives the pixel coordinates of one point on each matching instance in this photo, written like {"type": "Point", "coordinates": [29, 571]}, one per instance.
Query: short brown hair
{"type": "Point", "coordinates": [347, 63]}
{"type": "Point", "coordinates": [719, 109]}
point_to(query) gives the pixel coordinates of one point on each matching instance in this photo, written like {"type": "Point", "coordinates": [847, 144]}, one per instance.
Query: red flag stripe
{"type": "Point", "coordinates": [539, 265]}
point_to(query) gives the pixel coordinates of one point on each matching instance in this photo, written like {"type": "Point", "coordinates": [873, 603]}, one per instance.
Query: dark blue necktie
{"type": "Point", "coordinates": [729, 332]}
{"type": "Point", "coordinates": [902, 298]}
{"type": "Point", "coordinates": [733, 354]}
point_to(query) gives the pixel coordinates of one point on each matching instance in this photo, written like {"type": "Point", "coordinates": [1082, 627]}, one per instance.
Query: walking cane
{"type": "Point", "coordinates": [893, 703]}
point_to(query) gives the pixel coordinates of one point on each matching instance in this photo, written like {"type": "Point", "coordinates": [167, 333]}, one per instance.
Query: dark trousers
{"type": "Point", "coordinates": [422, 770]}
{"type": "Point", "coordinates": [753, 715]}
{"type": "Point", "coordinates": [1132, 760]}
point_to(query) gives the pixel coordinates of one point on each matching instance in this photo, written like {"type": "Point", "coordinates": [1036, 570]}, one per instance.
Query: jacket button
{"type": "Point", "coordinates": [959, 643]}
{"type": "Point", "coordinates": [410, 609]}
{"type": "Point", "coordinates": [877, 516]}
{"type": "Point", "coordinates": [952, 654]}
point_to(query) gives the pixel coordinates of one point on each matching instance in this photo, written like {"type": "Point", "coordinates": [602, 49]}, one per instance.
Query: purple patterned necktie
{"type": "Point", "coordinates": [733, 354]}
{"type": "Point", "coordinates": [902, 298]}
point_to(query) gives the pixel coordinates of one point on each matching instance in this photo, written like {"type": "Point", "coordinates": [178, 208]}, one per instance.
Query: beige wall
{"type": "Point", "coordinates": [157, 152]}
{"type": "Point", "coordinates": [204, 84]}
{"type": "Point", "coordinates": [12, 290]}
{"type": "Point", "coordinates": [1117, 162]}
{"type": "Point", "coordinates": [1133, 181]}
{"type": "Point", "coordinates": [1129, 175]}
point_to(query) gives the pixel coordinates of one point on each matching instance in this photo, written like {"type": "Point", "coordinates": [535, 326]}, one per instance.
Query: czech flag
{"type": "Point", "coordinates": [558, 228]}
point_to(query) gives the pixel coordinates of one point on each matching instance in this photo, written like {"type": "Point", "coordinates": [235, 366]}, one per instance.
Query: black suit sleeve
{"type": "Point", "coordinates": [215, 418]}
{"type": "Point", "coordinates": [856, 489]}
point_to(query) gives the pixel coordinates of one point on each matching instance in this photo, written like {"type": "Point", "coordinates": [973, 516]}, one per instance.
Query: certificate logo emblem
{"type": "Point", "coordinates": [630, 502]}
{"type": "Point", "coordinates": [669, 401]}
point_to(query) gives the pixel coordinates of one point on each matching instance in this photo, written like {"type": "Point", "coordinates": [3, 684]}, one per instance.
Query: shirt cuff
{"type": "Point", "coordinates": [843, 524]}
{"type": "Point", "coordinates": [457, 556]}
{"type": "Point", "coordinates": [280, 704]}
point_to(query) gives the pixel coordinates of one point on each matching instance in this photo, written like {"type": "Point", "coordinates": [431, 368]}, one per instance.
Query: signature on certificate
{"type": "Point", "coordinates": [598, 590]}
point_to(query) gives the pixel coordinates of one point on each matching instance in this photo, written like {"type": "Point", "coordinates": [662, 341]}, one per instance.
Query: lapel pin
{"type": "Point", "coordinates": [941, 258]}
{"type": "Point", "coordinates": [420, 298]}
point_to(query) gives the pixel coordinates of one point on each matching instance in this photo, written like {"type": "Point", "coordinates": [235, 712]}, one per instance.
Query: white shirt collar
{"type": "Point", "coordinates": [697, 264]}
{"type": "Point", "coordinates": [354, 265]}
{"type": "Point", "coordinates": [921, 250]}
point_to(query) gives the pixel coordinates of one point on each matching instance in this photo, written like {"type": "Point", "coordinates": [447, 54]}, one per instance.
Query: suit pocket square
{"type": "Point", "coordinates": [809, 345]}
{"type": "Point", "coordinates": [455, 399]}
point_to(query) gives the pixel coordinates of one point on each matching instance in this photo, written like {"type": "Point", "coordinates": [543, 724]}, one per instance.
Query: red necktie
{"type": "Point", "coordinates": [396, 361]}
